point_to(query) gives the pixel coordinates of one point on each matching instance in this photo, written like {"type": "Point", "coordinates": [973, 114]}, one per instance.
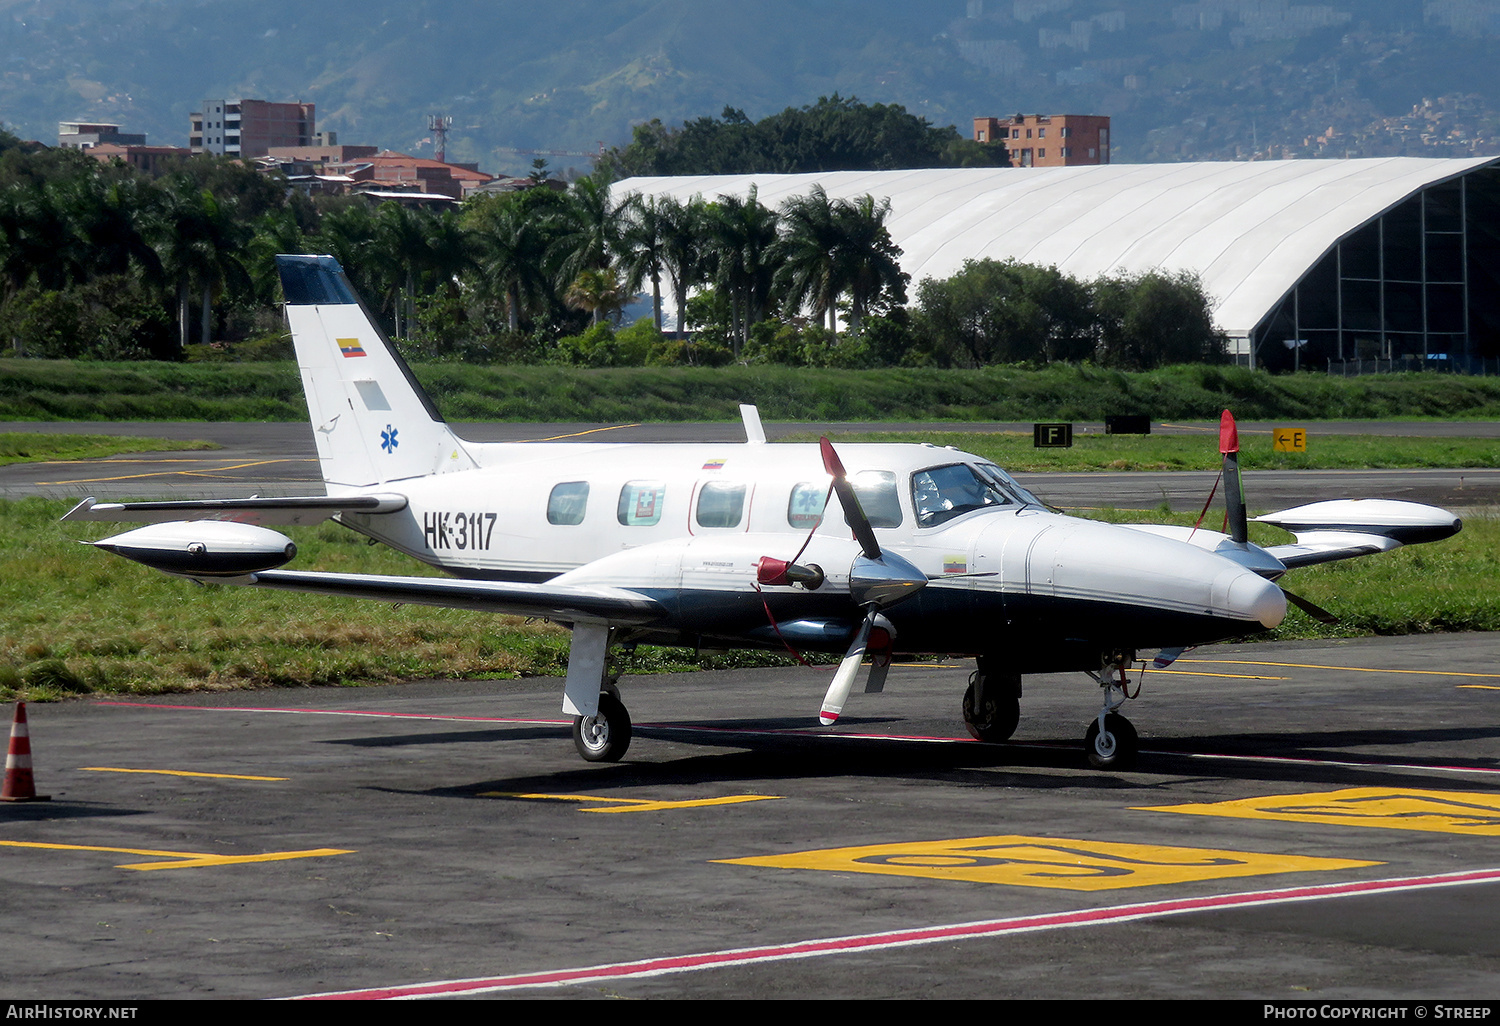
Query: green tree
{"type": "Point", "coordinates": [1155, 318]}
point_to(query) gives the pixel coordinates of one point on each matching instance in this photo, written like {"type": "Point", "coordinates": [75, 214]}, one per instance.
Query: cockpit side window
{"type": "Point", "coordinates": [877, 497]}
{"type": "Point", "coordinates": [941, 493]}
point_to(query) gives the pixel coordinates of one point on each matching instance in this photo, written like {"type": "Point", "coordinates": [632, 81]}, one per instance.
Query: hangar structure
{"type": "Point", "coordinates": [1310, 263]}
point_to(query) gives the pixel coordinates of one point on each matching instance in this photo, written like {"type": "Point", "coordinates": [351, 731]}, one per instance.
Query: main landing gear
{"type": "Point", "coordinates": [992, 704]}
{"type": "Point", "coordinates": [992, 709]}
{"type": "Point", "coordinates": [605, 736]}
{"type": "Point", "coordinates": [1111, 741]}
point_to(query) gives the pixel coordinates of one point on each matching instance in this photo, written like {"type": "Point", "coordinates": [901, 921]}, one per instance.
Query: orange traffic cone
{"type": "Point", "coordinates": [19, 786]}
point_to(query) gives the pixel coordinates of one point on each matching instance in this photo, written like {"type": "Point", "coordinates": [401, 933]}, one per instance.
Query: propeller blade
{"type": "Point", "coordinates": [854, 514]}
{"type": "Point", "coordinates": [1312, 609]}
{"type": "Point", "coordinates": [1234, 488]}
{"type": "Point", "coordinates": [843, 680]}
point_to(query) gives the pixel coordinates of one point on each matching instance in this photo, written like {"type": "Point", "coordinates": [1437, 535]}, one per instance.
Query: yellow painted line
{"type": "Point", "coordinates": [634, 804]}
{"type": "Point", "coordinates": [176, 773]}
{"type": "Point", "coordinates": [1320, 666]}
{"type": "Point", "coordinates": [1447, 812]}
{"type": "Point", "coordinates": [1205, 673]}
{"type": "Point", "coordinates": [580, 434]}
{"type": "Point", "coordinates": [1481, 687]}
{"type": "Point", "coordinates": [183, 859]}
{"type": "Point", "coordinates": [1049, 862]}
{"type": "Point", "coordinates": [185, 473]}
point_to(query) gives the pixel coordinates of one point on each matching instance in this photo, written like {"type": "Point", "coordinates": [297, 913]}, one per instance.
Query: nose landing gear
{"type": "Point", "coordinates": [1111, 741]}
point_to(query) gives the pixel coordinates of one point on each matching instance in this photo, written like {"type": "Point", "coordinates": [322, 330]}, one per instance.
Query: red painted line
{"type": "Point", "coordinates": [910, 938]}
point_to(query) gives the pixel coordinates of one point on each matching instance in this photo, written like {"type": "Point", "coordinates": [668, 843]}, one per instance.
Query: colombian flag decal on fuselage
{"type": "Point", "coordinates": [350, 347]}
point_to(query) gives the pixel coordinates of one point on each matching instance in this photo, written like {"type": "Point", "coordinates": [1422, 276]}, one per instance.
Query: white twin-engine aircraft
{"type": "Point", "coordinates": [726, 545]}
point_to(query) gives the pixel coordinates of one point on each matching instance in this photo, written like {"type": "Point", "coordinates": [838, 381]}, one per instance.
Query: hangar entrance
{"type": "Point", "coordinates": [1415, 288]}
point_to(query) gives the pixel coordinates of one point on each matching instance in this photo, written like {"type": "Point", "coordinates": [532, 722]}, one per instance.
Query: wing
{"type": "Point", "coordinates": [291, 510]}
{"type": "Point", "coordinates": [1344, 528]}
{"type": "Point", "coordinates": [566, 603]}
{"type": "Point", "coordinates": [248, 554]}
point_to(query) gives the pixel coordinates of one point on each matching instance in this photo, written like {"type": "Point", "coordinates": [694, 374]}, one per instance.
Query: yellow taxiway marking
{"type": "Point", "coordinates": [1481, 687]}
{"type": "Point", "coordinates": [176, 773]}
{"type": "Point", "coordinates": [1446, 812]}
{"type": "Point", "coordinates": [634, 804]}
{"type": "Point", "coordinates": [1205, 673]}
{"type": "Point", "coordinates": [186, 473]}
{"type": "Point", "coordinates": [1048, 862]}
{"type": "Point", "coordinates": [579, 434]}
{"type": "Point", "coordinates": [184, 859]}
{"type": "Point", "coordinates": [1320, 666]}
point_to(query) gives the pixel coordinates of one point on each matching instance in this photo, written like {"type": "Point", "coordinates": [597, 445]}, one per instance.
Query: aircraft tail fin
{"type": "Point", "coordinates": [372, 421]}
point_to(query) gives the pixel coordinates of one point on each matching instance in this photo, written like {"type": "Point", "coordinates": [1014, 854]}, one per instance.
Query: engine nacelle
{"type": "Point", "coordinates": [203, 548]}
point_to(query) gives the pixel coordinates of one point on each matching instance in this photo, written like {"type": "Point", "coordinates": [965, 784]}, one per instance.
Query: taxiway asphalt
{"type": "Point", "coordinates": [1308, 822]}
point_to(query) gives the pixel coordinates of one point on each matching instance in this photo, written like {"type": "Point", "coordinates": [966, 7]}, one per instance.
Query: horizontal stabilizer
{"type": "Point", "coordinates": [291, 510]}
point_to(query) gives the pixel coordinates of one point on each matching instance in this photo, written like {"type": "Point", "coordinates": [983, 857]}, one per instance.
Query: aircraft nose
{"type": "Point", "coordinates": [1249, 596]}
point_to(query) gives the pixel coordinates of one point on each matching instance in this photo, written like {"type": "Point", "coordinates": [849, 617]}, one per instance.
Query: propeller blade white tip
{"type": "Point", "coordinates": [828, 719]}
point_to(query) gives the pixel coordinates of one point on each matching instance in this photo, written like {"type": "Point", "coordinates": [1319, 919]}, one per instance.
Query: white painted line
{"type": "Point", "coordinates": [906, 938]}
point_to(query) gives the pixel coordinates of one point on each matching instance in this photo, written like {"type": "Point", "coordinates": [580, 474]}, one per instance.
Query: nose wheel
{"type": "Point", "coordinates": [1113, 745]}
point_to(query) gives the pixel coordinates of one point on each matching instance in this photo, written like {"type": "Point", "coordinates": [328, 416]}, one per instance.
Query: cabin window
{"type": "Point", "coordinates": [721, 504]}
{"type": "Point", "coordinates": [877, 497]}
{"type": "Point", "coordinates": [641, 503]}
{"type": "Point", "coordinates": [941, 493]}
{"type": "Point", "coordinates": [805, 509]}
{"type": "Point", "coordinates": [567, 503]}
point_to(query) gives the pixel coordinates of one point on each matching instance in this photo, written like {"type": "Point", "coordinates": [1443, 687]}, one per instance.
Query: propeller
{"type": "Point", "coordinates": [1234, 487]}
{"type": "Point", "coordinates": [877, 579]}
{"type": "Point", "coordinates": [1234, 509]}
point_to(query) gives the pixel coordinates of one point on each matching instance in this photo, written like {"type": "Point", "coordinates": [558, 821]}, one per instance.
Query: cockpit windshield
{"type": "Point", "coordinates": [1009, 484]}
{"type": "Point", "coordinates": [941, 493]}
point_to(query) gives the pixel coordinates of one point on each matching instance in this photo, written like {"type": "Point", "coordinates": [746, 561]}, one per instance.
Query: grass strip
{"type": "Point", "coordinates": [37, 447]}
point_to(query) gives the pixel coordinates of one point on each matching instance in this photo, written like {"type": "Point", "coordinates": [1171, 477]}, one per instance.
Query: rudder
{"type": "Point", "coordinates": [372, 421]}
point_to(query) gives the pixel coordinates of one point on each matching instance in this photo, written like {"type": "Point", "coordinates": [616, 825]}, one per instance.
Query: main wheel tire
{"type": "Point", "coordinates": [997, 721]}
{"type": "Point", "coordinates": [603, 737]}
{"type": "Point", "coordinates": [1116, 747]}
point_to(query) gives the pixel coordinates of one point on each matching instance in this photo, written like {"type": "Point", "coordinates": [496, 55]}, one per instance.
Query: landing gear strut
{"type": "Point", "coordinates": [605, 736]}
{"type": "Point", "coordinates": [992, 704]}
{"type": "Point", "coordinates": [1111, 741]}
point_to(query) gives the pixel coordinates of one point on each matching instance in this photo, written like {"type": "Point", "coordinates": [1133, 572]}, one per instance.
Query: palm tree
{"type": "Point", "coordinates": [869, 267]}
{"type": "Point", "coordinates": [199, 239]}
{"type": "Point", "coordinates": [642, 249]}
{"type": "Point", "coordinates": [683, 255]}
{"type": "Point", "coordinates": [512, 251]}
{"type": "Point", "coordinates": [809, 252]}
{"type": "Point", "coordinates": [743, 237]}
{"type": "Point", "coordinates": [598, 291]}
{"type": "Point", "coordinates": [588, 230]}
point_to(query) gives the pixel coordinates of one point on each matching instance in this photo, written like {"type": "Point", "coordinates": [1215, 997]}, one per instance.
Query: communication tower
{"type": "Point", "coordinates": [438, 125]}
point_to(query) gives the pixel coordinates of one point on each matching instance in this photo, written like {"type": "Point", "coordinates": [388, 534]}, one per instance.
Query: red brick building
{"type": "Point", "coordinates": [1048, 140]}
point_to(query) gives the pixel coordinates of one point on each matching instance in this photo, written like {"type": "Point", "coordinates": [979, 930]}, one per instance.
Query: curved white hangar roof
{"type": "Point", "coordinates": [1250, 230]}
